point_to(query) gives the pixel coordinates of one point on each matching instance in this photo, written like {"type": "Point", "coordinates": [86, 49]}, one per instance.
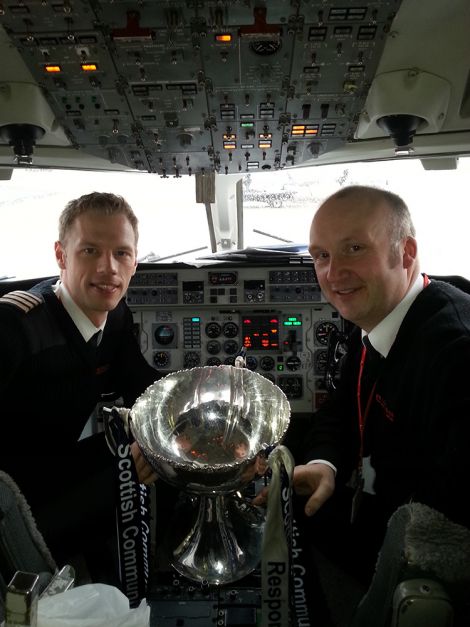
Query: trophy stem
{"type": "Point", "coordinates": [222, 543]}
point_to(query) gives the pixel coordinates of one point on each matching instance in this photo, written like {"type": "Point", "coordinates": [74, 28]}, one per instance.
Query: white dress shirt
{"type": "Point", "coordinates": [82, 322]}
{"type": "Point", "coordinates": [383, 335]}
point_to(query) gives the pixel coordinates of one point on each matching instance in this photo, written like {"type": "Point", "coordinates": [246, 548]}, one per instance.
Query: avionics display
{"type": "Point", "coordinates": [260, 332]}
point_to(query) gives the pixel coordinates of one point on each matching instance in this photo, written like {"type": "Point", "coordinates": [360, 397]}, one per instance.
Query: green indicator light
{"type": "Point", "coordinates": [280, 367]}
{"type": "Point", "coordinates": [287, 324]}
{"type": "Point", "coordinates": [195, 319]}
{"type": "Point", "coordinates": [297, 323]}
{"type": "Point", "coordinates": [292, 319]}
{"type": "Point", "coordinates": [247, 124]}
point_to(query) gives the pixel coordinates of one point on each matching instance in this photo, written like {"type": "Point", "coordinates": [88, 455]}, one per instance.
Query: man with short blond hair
{"type": "Point", "coordinates": [68, 345]}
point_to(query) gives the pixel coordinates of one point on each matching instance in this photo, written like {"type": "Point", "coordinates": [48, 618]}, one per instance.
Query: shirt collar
{"type": "Point", "coordinates": [81, 321]}
{"type": "Point", "coordinates": [383, 335]}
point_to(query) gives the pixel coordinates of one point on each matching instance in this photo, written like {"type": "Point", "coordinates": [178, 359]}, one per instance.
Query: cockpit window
{"type": "Point", "coordinates": [277, 210]}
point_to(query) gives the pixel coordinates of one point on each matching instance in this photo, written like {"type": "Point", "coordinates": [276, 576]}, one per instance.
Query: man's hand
{"type": "Point", "coordinates": [255, 469]}
{"type": "Point", "coordinates": [316, 481]}
{"type": "Point", "coordinates": [261, 499]}
{"type": "Point", "coordinates": [145, 472]}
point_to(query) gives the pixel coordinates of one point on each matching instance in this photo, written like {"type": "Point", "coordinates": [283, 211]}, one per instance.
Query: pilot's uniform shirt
{"type": "Point", "coordinates": [51, 381]}
{"type": "Point", "coordinates": [81, 321]}
{"type": "Point", "coordinates": [418, 427]}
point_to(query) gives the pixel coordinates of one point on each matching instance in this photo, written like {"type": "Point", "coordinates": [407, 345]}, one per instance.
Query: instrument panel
{"type": "Point", "coordinates": [187, 317]}
{"type": "Point", "coordinates": [182, 87]}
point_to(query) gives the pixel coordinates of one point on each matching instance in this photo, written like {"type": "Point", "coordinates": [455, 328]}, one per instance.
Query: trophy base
{"type": "Point", "coordinates": [221, 542]}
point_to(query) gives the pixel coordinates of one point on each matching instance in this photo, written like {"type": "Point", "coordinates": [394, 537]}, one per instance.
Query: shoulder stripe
{"type": "Point", "coordinates": [23, 300]}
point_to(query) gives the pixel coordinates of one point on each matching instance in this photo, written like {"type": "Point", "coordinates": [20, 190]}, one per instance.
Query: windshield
{"type": "Point", "coordinates": [277, 209]}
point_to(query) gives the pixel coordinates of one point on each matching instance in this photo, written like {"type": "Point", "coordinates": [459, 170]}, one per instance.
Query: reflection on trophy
{"type": "Point", "coordinates": [202, 430]}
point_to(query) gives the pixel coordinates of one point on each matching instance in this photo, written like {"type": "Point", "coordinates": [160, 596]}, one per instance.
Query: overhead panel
{"type": "Point", "coordinates": [182, 87]}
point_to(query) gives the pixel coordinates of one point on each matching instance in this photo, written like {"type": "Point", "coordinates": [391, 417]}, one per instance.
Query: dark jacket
{"type": "Point", "coordinates": [418, 428]}
{"type": "Point", "coordinates": [50, 382]}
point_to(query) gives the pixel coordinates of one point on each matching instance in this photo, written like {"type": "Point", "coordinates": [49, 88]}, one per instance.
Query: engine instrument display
{"type": "Point", "coordinates": [261, 332]}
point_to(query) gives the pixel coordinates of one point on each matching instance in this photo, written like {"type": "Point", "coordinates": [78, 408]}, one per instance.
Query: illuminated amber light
{"type": "Point", "coordinates": [304, 130]}
{"type": "Point", "coordinates": [52, 69]}
{"type": "Point", "coordinates": [224, 38]}
{"type": "Point", "coordinates": [89, 67]}
{"type": "Point", "coordinates": [298, 129]}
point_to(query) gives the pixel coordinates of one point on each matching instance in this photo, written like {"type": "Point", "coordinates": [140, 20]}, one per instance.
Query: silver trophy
{"type": "Point", "coordinates": [202, 430]}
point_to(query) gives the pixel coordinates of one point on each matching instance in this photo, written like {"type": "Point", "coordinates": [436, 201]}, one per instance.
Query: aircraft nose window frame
{"type": "Point", "coordinates": [276, 209]}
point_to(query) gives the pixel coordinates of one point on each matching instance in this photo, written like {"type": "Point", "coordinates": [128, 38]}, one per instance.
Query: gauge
{"type": "Point", "coordinates": [251, 363]}
{"type": "Point", "coordinates": [320, 361]}
{"type": "Point", "coordinates": [213, 329]}
{"type": "Point", "coordinates": [323, 330]}
{"type": "Point", "coordinates": [230, 329]}
{"type": "Point", "coordinates": [213, 361]}
{"type": "Point", "coordinates": [213, 347]}
{"type": "Point", "coordinates": [293, 363]}
{"type": "Point", "coordinates": [191, 359]}
{"type": "Point", "coordinates": [265, 47]}
{"type": "Point", "coordinates": [161, 359]}
{"type": "Point", "coordinates": [164, 334]}
{"type": "Point", "coordinates": [267, 363]}
{"type": "Point", "coordinates": [230, 347]}
{"type": "Point", "coordinates": [291, 386]}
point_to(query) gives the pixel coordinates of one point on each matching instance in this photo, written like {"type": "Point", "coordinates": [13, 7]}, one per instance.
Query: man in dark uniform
{"type": "Point", "coordinates": [397, 428]}
{"type": "Point", "coordinates": [400, 418]}
{"type": "Point", "coordinates": [67, 345]}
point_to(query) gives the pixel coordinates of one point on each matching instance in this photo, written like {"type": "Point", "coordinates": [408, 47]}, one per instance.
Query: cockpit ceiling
{"type": "Point", "coordinates": [182, 87]}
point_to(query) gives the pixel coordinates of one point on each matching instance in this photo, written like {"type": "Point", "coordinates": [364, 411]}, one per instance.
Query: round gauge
{"type": "Point", "coordinates": [293, 363]}
{"type": "Point", "coordinates": [161, 359]}
{"type": "Point", "coordinates": [164, 335]}
{"type": "Point", "coordinates": [230, 329]}
{"type": "Point", "coordinates": [323, 330]}
{"type": "Point", "coordinates": [213, 329]}
{"type": "Point", "coordinates": [229, 361]}
{"type": "Point", "coordinates": [320, 361]}
{"type": "Point", "coordinates": [292, 386]}
{"type": "Point", "coordinates": [251, 363]}
{"type": "Point", "coordinates": [213, 347]}
{"type": "Point", "coordinates": [230, 347]}
{"type": "Point", "coordinates": [191, 359]}
{"type": "Point", "coordinates": [213, 361]}
{"type": "Point", "coordinates": [266, 363]}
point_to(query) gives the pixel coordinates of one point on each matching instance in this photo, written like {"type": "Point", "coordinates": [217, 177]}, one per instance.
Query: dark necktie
{"type": "Point", "coordinates": [372, 366]}
{"type": "Point", "coordinates": [373, 357]}
{"type": "Point", "coordinates": [94, 340]}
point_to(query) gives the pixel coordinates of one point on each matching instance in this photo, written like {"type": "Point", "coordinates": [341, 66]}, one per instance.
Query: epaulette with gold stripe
{"type": "Point", "coordinates": [23, 300]}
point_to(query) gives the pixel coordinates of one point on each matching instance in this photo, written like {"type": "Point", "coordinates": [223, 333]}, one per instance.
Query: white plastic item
{"type": "Point", "coordinates": [91, 605]}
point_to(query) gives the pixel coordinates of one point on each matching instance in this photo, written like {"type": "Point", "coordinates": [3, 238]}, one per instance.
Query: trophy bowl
{"type": "Point", "coordinates": [202, 431]}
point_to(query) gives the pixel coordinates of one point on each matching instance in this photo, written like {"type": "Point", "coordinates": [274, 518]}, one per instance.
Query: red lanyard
{"type": "Point", "coordinates": [363, 416]}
